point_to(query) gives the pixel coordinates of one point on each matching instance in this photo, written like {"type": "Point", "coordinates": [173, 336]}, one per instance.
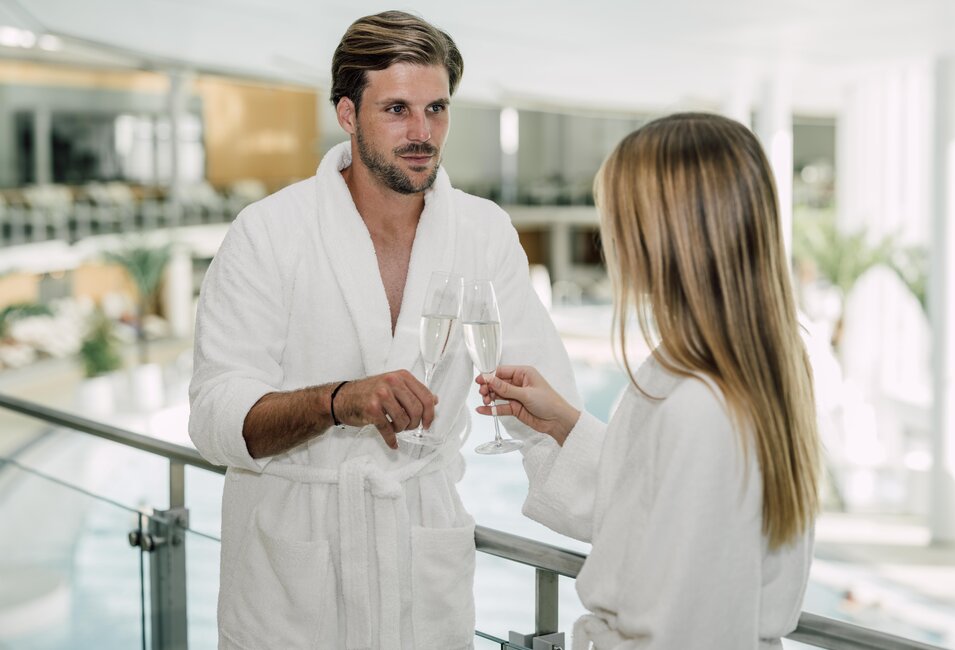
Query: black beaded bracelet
{"type": "Point", "coordinates": [332, 403]}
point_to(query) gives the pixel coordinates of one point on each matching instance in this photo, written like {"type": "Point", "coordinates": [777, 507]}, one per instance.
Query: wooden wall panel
{"type": "Point", "coordinates": [40, 74]}
{"type": "Point", "coordinates": [97, 280]}
{"type": "Point", "coordinates": [268, 133]}
{"type": "Point", "coordinates": [19, 287]}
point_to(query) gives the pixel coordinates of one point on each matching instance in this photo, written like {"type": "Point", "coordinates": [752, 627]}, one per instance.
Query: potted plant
{"type": "Point", "coordinates": [840, 258]}
{"type": "Point", "coordinates": [13, 353]}
{"type": "Point", "coordinates": [100, 356]}
{"type": "Point", "coordinates": [145, 266]}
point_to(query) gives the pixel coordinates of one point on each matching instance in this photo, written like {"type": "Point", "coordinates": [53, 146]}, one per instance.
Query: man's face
{"type": "Point", "coordinates": [402, 124]}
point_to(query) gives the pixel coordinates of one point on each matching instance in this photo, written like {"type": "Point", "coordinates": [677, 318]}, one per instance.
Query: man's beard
{"type": "Point", "coordinates": [390, 174]}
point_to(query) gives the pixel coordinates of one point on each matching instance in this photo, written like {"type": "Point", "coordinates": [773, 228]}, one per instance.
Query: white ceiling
{"type": "Point", "coordinates": [593, 53]}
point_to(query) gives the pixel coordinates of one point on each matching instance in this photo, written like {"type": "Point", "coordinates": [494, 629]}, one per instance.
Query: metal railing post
{"type": "Point", "coordinates": [167, 579]}
{"type": "Point", "coordinates": [177, 484]}
{"type": "Point", "coordinates": [545, 603]}
{"type": "Point", "coordinates": [545, 636]}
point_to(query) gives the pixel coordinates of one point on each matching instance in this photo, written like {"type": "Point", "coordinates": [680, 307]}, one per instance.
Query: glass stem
{"type": "Point", "coordinates": [428, 374]}
{"type": "Point", "coordinates": [498, 438]}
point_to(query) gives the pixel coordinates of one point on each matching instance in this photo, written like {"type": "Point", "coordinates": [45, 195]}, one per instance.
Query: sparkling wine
{"type": "Point", "coordinates": [483, 340]}
{"type": "Point", "coordinates": [435, 333]}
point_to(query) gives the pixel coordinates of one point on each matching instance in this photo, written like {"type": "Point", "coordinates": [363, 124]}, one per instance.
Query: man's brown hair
{"type": "Point", "coordinates": [376, 42]}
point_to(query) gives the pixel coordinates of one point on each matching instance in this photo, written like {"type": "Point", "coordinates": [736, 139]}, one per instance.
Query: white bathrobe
{"type": "Point", "coordinates": [674, 514]}
{"type": "Point", "coordinates": [343, 543]}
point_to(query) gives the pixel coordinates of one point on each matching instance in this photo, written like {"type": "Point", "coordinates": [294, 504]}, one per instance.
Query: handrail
{"type": "Point", "coordinates": [812, 629]}
{"type": "Point", "coordinates": [822, 632]}
{"type": "Point", "coordinates": [170, 450]}
{"type": "Point", "coordinates": [528, 551]}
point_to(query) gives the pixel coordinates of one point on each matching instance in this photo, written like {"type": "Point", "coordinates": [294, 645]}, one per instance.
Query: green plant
{"type": "Point", "coordinates": [911, 265]}
{"type": "Point", "coordinates": [840, 258]}
{"type": "Point", "coordinates": [145, 266]}
{"type": "Point", "coordinates": [19, 310]}
{"type": "Point", "coordinates": [100, 349]}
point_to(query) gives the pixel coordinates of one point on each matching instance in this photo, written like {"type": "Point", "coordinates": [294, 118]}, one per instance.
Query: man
{"type": "Point", "coordinates": [307, 365]}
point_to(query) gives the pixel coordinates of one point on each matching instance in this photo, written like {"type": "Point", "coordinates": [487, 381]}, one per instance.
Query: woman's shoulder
{"type": "Point", "coordinates": [694, 414]}
{"type": "Point", "coordinates": [675, 393]}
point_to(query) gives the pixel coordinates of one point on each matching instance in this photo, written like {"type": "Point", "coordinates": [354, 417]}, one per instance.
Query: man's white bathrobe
{"type": "Point", "coordinates": [675, 517]}
{"type": "Point", "coordinates": [343, 543]}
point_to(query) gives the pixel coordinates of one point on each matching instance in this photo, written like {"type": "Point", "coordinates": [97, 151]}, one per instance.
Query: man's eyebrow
{"type": "Point", "coordinates": [398, 100]}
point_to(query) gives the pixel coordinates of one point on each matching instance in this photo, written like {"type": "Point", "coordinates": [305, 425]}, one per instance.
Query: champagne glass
{"type": "Point", "coordinates": [442, 306]}
{"type": "Point", "coordinates": [481, 320]}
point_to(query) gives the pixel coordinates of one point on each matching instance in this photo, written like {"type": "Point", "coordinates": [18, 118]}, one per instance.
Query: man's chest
{"type": "Point", "coordinates": [393, 259]}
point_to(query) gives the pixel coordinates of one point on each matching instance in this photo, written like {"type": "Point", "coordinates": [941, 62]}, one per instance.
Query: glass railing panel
{"type": "Point", "coordinates": [68, 576]}
{"type": "Point", "coordinates": [204, 500]}
{"type": "Point", "coordinates": [503, 596]}
{"type": "Point", "coordinates": [867, 596]}
{"type": "Point", "coordinates": [493, 490]}
{"type": "Point", "coordinates": [132, 478]}
{"type": "Point", "coordinates": [202, 588]}
{"type": "Point", "coordinates": [484, 641]}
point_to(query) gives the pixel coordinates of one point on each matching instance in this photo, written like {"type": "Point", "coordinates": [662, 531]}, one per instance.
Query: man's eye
{"type": "Point", "coordinates": [395, 109]}
{"type": "Point", "coordinates": [437, 108]}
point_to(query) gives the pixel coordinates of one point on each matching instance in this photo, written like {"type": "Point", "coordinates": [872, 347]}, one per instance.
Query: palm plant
{"type": "Point", "coordinates": [840, 258]}
{"type": "Point", "coordinates": [145, 266]}
{"type": "Point", "coordinates": [911, 265]}
{"type": "Point", "coordinates": [19, 310]}
{"type": "Point", "coordinates": [100, 349]}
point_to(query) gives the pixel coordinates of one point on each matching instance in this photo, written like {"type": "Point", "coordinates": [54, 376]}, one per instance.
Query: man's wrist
{"type": "Point", "coordinates": [331, 403]}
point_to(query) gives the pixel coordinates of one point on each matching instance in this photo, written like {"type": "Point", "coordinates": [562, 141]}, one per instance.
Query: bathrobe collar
{"type": "Point", "coordinates": [348, 245]}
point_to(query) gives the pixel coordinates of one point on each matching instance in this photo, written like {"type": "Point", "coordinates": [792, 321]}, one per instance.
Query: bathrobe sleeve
{"type": "Point", "coordinates": [241, 328]}
{"type": "Point", "coordinates": [563, 488]}
{"type": "Point", "coordinates": [693, 579]}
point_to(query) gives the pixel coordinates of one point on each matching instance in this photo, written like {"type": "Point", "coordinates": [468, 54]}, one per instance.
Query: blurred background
{"type": "Point", "coordinates": [133, 132]}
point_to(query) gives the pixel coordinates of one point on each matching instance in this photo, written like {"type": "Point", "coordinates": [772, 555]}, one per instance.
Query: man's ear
{"type": "Point", "coordinates": [347, 115]}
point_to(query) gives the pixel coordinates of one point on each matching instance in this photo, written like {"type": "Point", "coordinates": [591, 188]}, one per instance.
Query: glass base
{"type": "Point", "coordinates": [418, 437]}
{"type": "Point", "coordinates": [501, 447]}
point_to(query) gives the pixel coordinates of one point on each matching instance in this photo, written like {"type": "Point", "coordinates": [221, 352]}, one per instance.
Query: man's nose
{"type": "Point", "coordinates": [419, 130]}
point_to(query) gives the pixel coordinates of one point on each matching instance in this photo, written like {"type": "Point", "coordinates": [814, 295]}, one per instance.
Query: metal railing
{"type": "Point", "coordinates": [549, 561]}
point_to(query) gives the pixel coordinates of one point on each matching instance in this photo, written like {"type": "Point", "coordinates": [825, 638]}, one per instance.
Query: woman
{"type": "Point", "coordinates": [699, 496]}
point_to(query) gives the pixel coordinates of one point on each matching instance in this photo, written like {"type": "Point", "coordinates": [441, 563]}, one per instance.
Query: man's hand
{"type": "Point", "coordinates": [393, 401]}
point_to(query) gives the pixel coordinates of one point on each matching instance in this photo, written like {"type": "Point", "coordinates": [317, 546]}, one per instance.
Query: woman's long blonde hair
{"type": "Point", "coordinates": [690, 228]}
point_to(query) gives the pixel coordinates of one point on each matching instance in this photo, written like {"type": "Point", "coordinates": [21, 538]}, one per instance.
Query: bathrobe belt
{"type": "Point", "coordinates": [354, 478]}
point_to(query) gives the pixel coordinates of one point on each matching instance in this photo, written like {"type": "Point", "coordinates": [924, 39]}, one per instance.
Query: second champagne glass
{"type": "Point", "coordinates": [442, 306]}
{"type": "Point", "coordinates": [481, 320]}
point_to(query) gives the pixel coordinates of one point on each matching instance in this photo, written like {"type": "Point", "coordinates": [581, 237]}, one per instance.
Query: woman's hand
{"type": "Point", "coordinates": [530, 399]}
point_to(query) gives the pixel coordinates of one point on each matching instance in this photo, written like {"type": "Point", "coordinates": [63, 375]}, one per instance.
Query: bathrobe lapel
{"type": "Point", "coordinates": [349, 248]}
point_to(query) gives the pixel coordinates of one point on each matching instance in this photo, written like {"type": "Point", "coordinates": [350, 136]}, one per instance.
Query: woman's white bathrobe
{"type": "Point", "coordinates": [674, 514]}
{"type": "Point", "coordinates": [343, 543]}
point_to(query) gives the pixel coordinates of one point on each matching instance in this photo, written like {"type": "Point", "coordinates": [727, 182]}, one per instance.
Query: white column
{"type": "Point", "coordinates": [942, 308]}
{"type": "Point", "coordinates": [774, 126]}
{"type": "Point", "coordinates": [177, 293]}
{"type": "Point", "coordinates": [739, 104]}
{"type": "Point", "coordinates": [42, 146]}
{"type": "Point", "coordinates": [179, 85]}
{"type": "Point", "coordinates": [510, 143]}
{"type": "Point", "coordinates": [884, 186]}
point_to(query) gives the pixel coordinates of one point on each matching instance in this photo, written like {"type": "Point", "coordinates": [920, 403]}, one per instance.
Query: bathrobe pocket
{"type": "Point", "coordinates": [278, 593]}
{"type": "Point", "coordinates": [442, 566]}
